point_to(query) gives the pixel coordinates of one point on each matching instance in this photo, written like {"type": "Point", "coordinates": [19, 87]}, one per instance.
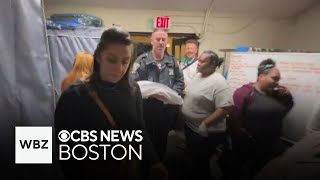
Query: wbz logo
{"type": "Point", "coordinates": [33, 145]}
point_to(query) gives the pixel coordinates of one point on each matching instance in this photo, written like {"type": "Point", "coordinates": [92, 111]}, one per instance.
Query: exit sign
{"type": "Point", "coordinates": [162, 22]}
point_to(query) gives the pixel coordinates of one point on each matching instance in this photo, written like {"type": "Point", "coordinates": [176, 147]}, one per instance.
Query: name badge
{"type": "Point", "coordinates": [135, 68]}
{"type": "Point", "coordinates": [171, 73]}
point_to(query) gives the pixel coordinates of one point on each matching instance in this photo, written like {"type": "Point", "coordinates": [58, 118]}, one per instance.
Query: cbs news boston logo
{"type": "Point", "coordinates": [33, 145]}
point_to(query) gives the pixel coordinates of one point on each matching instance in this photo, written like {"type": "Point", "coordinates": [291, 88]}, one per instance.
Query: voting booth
{"type": "Point", "coordinates": [300, 72]}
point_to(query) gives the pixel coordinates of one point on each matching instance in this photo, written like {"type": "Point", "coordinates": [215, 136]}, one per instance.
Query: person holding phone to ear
{"type": "Point", "coordinates": [259, 110]}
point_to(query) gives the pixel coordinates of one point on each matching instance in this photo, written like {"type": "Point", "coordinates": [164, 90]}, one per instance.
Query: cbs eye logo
{"type": "Point", "coordinates": [64, 136]}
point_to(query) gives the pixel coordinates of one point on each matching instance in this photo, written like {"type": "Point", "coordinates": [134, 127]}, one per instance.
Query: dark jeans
{"type": "Point", "coordinates": [160, 119]}
{"type": "Point", "coordinates": [200, 150]}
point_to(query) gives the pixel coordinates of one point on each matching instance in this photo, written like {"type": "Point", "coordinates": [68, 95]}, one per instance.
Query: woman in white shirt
{"type": "Point", "coordinates": [207, 101]}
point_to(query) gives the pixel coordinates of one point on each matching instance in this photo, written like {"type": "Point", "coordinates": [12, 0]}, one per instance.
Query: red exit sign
{"type": "Point", "coordinates": [162, 22]}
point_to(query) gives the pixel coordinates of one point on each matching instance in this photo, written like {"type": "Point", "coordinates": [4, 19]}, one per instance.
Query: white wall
{"type": "Point", "coordinates": [306, 32]}
{"type": "Point", "coordinates": [222, 32]}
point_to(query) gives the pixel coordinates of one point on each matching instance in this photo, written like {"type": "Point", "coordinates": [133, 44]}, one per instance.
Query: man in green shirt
{"type": "Point", "coordinates": [191, 56]}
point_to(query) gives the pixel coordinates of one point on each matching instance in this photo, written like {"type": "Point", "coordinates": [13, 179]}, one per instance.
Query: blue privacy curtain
{"type": "Point", "coordinates": [33, 62]}
{"type": "Point", "coordinates": [65, 44]}
{"type": "Point", "coordinates": [27, 88]}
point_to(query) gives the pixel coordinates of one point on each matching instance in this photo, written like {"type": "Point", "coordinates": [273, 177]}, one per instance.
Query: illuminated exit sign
{"type": "Point", "coordinates": [162, 22]}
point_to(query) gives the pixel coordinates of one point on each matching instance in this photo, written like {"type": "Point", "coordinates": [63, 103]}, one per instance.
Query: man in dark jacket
{"type": "Point", "coordinates": [158, 66]}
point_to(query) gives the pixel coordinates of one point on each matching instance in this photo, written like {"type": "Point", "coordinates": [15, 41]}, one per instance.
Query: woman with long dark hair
{"type": "Point", "coordinates": [109, 100]}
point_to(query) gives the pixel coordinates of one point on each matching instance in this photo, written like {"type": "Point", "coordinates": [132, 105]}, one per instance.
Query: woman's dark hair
{"type": "Point", "coordinates": [213, 58]}
{"type": "Point", "coordinates": [114, 35]}
{"type": "Point", "coordinates": [265, 66]}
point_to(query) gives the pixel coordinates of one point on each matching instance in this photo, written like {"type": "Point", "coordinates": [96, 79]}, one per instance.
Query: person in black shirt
{"type": "Point", "coordinates": [77, 109]}
{"type": "Point", "coordinates": [260, 108]}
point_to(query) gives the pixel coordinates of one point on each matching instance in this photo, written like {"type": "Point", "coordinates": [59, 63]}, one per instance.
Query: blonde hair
{"type": "Point", "coordinates": [82, 68]}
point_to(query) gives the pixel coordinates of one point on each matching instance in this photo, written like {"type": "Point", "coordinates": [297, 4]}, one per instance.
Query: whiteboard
{"type": "Point", "coordinates": [300, 72]}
